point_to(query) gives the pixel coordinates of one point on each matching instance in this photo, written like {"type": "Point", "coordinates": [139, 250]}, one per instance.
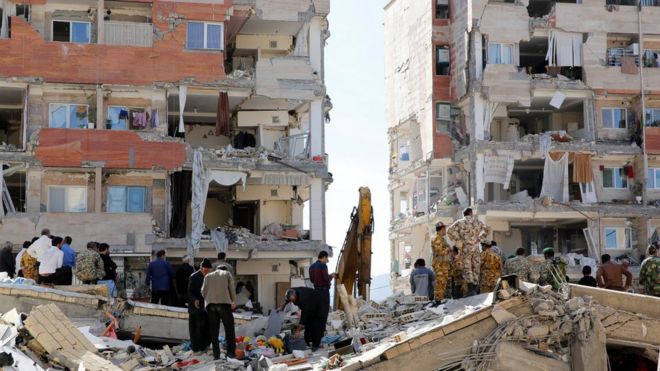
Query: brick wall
{"type": "Point", "coordinates": [27, 54]}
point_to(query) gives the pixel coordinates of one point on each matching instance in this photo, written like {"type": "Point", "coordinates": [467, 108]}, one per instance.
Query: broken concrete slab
{"type": "Point", "coordinates": [511, 356]}
{"type": "Point", "coordinates": [54, 331]}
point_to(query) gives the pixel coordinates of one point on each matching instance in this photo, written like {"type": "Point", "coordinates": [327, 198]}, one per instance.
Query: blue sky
{"type": "Point", "coordinates": [356, 138]}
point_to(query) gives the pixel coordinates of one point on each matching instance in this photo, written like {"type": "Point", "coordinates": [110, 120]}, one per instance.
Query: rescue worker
{"type": "Point", "coordinates": [553, 269]}
{"type": "Point", "coordinates": [422, 280]}
{"type": "Point", "coordinates": [89, 265]}
{"type": "Point", "coordinates": [518, 265]}
{"type": "Point", "coordinates": [649, 273]}
{"type": "Point", "coordinates": [442, 255]}
{"type": "Point", "coordinates": [491, 268]}
{"type": "Point", "coordinates": [466, 233]}
{"type": "Point", "coordinates": [314, 312]}
{"type": "Point", "coordinates": [457, 282]}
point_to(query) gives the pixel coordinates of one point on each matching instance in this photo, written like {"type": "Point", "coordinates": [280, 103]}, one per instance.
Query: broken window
{"type": "Point", "coordinates": [442, 60]}
{"type": "Point", "coordinates": [67, 199]}
{"type": "Point", "coordinates": [618, 238]}
{"type": "Point", "coordinates": [615, 177]}
{"type": "Point", "coordinates": [69, 31]}
{"type": "Point", "coordinates": [205, 35]}
{"type": "Point", "coordinates": [74, 116]}
{"type": "Point", "coordinates": [126, 199]}
{"type": "Point", "coordinates": [614, 118]}
{"type": "Point", "coordinates": [441, 9]}
{"type": "Point", "coordinates": [499, 53]}
{"type": "Point", "coordinates": [653, 178]}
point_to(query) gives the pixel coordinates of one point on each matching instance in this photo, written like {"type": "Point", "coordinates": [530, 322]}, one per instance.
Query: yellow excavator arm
{"type": "Point", "coordinates": [354, 264]}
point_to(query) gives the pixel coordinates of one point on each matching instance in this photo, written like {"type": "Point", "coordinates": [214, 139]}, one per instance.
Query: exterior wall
{"type": "Point", "coordinates": [167, 60]}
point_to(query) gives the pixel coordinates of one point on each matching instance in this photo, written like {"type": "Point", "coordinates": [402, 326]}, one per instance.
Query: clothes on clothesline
{"type": "Point", "coordinates": [244, 139]}
{"type": "Point", "coordinates": [555, 177]}
{"type": "Point", "coordinates": [139, 119]}
{"type": "Point", "coordinates": [123, 114]}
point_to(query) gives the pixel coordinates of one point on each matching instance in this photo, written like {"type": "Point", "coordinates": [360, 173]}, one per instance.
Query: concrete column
{"type": "Point", "coordinates": [100, 109]}
{"type": "Point", "coordinates": [98, 189]}
{"type": "Point", "coordinates": [478, 55]}
{"type": "Point", "coordinates": [316, 128]}
{"type": "Point", "coordinates": [33, 192]}
{"type": "Point", "coordinates": [316, 44]}
{"type": "Point", "coordinates": [479, 178]}
{"type": "Point", "coordinates": [100, 21]}
{"type": "Point", "coordinates": [317, 210]}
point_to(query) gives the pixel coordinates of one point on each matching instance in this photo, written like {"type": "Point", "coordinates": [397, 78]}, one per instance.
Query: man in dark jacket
{"type": "Point", "coordinates": [181, 278]}
{"type": "Point", "coordinates": [314, 312]}
{"type": "Point", "coordinates": [109, 266]}
{"type": "Point", "coordinates": [7, 261]}
{"type": "Point", "coordinates": [197, 316]}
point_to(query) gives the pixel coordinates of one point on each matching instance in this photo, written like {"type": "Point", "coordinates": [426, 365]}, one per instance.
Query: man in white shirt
{"type": "Point", "coordinates": [51, 262]}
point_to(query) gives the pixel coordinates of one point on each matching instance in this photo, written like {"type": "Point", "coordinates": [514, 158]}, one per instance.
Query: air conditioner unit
{"type": "Point", "coordinates": [633, 48]}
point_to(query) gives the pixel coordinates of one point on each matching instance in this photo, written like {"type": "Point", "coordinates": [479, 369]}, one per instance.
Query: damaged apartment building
{"type": "Point", "coordinates": [543, 115]}
{"type": "Point", "coordinates": [164, 124]}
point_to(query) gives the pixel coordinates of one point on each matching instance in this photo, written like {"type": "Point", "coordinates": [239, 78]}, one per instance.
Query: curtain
{"type": "Point", "coordinates": [183, 94]}
{"type": "Point", "coordinates": [4, 30]}
{"type": "Point", "coordinates": [181, 192]}
{"type": "Point", "coordinates": [564, 49]}
{"type": "Point", "coordinates": [2, 190]}
{"type": "Point", "coordinates": [555, 177]}
{"type": "Point", "coordinates": [200, 188]}
{"type": "Point", "coordinates": [582, 168]}
{"type": "Point", "coordinates": [489, 113]}
{"type": "Point", "coordinates": [222, 115]}
{"type": "Point", "coordinates": [227, 178]}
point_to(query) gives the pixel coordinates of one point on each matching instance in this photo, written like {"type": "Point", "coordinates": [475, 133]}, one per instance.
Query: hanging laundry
{"type": "Point", "coordinates": [545, 142]}
{"type": "Point", "coordinates": [222, 117]}
{"type": "Point", "coordinates": [629, 170]}
{"type": "Point", "coordinates": [582, 168]}
{"type": "Point", "coordinates": [498, 169]}
{"type": "Point", "coordinates": [123, 114]}
{"type": "Point", "coordinates": [555, 178]}
{"type": "Point", "coordinates": [154, 118]}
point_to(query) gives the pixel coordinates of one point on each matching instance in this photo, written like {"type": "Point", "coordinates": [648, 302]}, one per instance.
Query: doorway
{"type": "Point", "coordinates": [245, 215]}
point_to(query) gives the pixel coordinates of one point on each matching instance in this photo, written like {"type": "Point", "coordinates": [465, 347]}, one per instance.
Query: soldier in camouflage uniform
{"type": "Point", "coordinates": [89, 265]}
{"type": "Point", "coordinates": [649, 273]}
{"type": "Point", "coordinates": [466, 233]}
{"type": "Point", "coordinates": [553, 270]}
{"type": "Point", "coordinates": [491, 268]}
{"type": "Point", "coordinates": [519, 266]}
{"type": "Point", "coordinates": [456, 273]}
{"type": "Point", "coordinates": [441, 261]}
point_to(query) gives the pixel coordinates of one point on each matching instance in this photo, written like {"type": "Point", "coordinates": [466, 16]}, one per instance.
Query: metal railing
{"type": "Point", "coordinates": [616, 55]}
{"type": "Point", "coordinates": [294, 146]}
{"type": "Point", "coordinates": [128, 33]}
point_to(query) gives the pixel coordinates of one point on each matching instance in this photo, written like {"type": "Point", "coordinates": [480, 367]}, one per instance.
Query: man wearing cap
{"type": "Point", "coordinates": [197, 316]}
{"type": "Point", "coordinates": [441, 261]}
{"type": "Point", "coordinates": [314, 312]}
{"type": "Point", "coordinates": [491, 268]}
{"type": "Point", "coordinates": [553, 270]}
{"type": "Point", "coordinates": [467, 233]}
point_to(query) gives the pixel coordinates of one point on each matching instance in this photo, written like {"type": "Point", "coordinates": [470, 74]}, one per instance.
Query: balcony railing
{"type": "Point", "coordinates": [128, 33]}
{"type": "Point", "coordinates": [294, 146]}
{"type": "Point", "coordinates": [616, 55]}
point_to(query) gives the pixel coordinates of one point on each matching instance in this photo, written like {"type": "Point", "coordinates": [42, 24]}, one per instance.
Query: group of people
{"type": "Point", "coordinates": [51, 260]}
{"type": "Point", "coordinates": [474, 265]}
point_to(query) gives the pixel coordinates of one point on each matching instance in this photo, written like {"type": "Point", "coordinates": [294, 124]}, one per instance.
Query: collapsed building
{"type": "Point", "coordinates": [171, 125]}
{"type": "Point", "coordinates": [541, 114]}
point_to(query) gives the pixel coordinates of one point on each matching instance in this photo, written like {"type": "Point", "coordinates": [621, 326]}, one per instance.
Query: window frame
{"type": "Point", "coordinates": [70, 22]}
{"type": "Point", "coordinates": [611, 110]}
{"type": "Point", "coordinates": [655, 171]}
{"type": "Point", "coordinates": [500, 52]}
{"type": "Point", "coordinates": [66, 187]}
{"type": "Point", "coordinates": [651, 118]}
{"type": "Point", "coordinates": [624, 179]}
{"type": "Point", "coordinates": [445, 7]}
{"type": "Point", "coordinates": [68, 115]}
{"type": "Point", "coordinates": [437, 60]}
{"type": "Point", "coordinates": [205, 40]}
{"type": "Point", "coordinates": [126, 200]}
{"type": "Point", "coordinates": [627, 237]}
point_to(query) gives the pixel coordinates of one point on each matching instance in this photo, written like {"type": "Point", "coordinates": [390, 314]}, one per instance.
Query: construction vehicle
{"type": "Point", "coordinates": [354, 262]}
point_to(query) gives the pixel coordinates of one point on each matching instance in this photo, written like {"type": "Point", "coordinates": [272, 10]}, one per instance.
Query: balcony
{"type": "Point", "coordinates": [128, 33]}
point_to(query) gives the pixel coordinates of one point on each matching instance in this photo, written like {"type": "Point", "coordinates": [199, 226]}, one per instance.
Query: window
{"type": "Point", "coordinates": [653, 181]}
{"type": "Point", "coordinates": [614, 118]}
{"type": "Point", "coordinates": [404, 152]}
{"type": "Point", "coordinates": [66, 199]}
{"type": "Point", "coordinates": [73, 116]}
{"type": "Point", "coordinates": [615, 177]}
{"type": "Point", "coordinates": [442, 117]}
{"type": "Point", "coordinates": [500, 53]}
{"type": "Point", "coordinates": [618, 238]}
{"type": "Point", "coordinates": [126, 199]}
{"type": "Point", "coordinates": [125, 118]}
{"type": "Point", "coordinates": [652, 117]}
{"type": "Point", "coordinates": [203, 35]}
{"type": "Point", "coordinates": [69, 31]}
{"type": "Point", "coordinates": [441, 9]}
{"type": "Point", "coordinates": [442, 60]}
